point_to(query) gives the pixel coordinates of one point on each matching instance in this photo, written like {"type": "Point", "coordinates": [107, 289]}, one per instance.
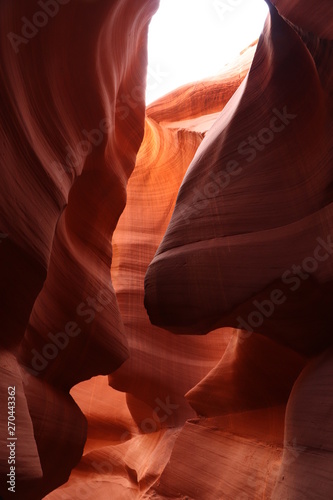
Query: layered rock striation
{"type": "Point", "coordinates": [166, 273]}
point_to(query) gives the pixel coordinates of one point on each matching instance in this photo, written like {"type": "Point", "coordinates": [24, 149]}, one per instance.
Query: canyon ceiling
{"type": "Point", "coordinates": [166, 271]}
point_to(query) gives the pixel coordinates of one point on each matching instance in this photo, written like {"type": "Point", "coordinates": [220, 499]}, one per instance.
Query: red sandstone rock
{"type": "Point", "coordinates": [247, 213]}
{"type": "Point", "coordinates": [234, 414]}
{"type": "Point", "coordinates": [260, 182]}
{"type": "Point", "coordinates": [72, 123]}
{"type": "Point", "coordinates": [309, 15]}
{"type": "Point", "coordinates": [161, 367]}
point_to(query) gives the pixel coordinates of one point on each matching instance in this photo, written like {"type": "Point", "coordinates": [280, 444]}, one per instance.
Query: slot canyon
{"type": "Point", "coordinates": [166, 268]}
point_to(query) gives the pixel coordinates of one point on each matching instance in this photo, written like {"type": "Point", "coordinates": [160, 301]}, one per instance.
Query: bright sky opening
{"type": "Point", "coordinates": [190, 40]}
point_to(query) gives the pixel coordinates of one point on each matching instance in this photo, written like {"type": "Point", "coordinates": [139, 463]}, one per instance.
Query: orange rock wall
{"type": "Point", "coordinates": [166, 272]}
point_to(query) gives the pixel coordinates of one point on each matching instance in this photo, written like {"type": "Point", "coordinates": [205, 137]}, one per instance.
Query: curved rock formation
{"type": "Point", "coordinates": [309, 15]}
{"type": "Point", "coordinates": [250, 192]}
{"type": "Point", "coordinates": [308, 446]}
{"type": "Point", "coordinates": [152, 190]}
{"type": "Point", "coordinates": [72, 90]}
{"type": "Point", "coordinates": [250, 246]}
{"type": "Point", "coordinates": [161, 367]}
{"type": "Point", "coordinates": [95, 190]}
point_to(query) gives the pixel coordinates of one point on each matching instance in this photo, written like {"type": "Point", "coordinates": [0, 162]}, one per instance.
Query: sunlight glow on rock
{"type": "Point", "coordinates": [193, 39]}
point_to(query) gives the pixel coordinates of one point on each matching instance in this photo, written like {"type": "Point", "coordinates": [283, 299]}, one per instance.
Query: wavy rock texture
{"type": "Point", "coordinates": [109, 405]}
{"type": "Point", "coordinates": [228, 214]}
{"type": "Point", "coordinates": [163, 159]}
{"type": "Point", "coordinates": [299, 13]}
{"type": "Point", "coordinates": [133, 435]}
{"type": "Point", "coordinates": [72, 121]}
{"type": "Point", "coordinates": [251, 242]}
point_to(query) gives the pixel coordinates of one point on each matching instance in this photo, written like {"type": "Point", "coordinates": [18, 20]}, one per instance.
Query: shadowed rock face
{"type": "Point", "coordinates": [212, 208]}
{"type": "Point", "coordinates": [260, 182]}
{"type": "Point", "coordinates": [298, 12]}
{"type": "Point", "coordinates": [249, 245]}
{"type": "Point", "coordinates": [72, 120]}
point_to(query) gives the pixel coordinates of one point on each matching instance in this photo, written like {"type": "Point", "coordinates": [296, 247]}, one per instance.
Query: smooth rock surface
{"type": "Point", "coordinates": [213, 209]}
